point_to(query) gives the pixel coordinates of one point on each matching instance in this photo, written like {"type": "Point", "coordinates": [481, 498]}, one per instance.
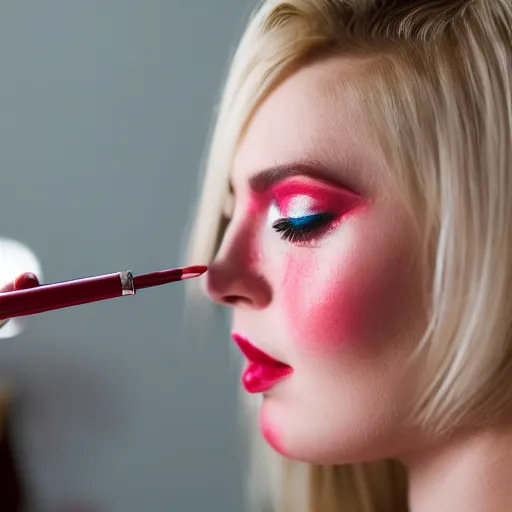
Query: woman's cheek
{"type": "Point", "coordinates": [337, 297]}
{"type": "Point", "coordinates": [319, 302]}
{"type": "Point", "coordinates": [351, 293]}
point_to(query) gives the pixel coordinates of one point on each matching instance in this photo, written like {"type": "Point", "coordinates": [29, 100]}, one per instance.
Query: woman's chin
{"type": "Point", "coordinates": [278, 428]}
{"type": "Point", "coordinates": [283, 430]}
{"type": "Point", "coordinates": [270, 429]}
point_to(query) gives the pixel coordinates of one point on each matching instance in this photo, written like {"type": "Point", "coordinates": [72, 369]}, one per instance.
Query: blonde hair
{"type": "Point", "coordinates": [435, 80]}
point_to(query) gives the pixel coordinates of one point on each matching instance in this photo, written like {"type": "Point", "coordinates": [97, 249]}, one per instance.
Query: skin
{"type": "Point", "coordinates": [346, 308]}
{"type": "Point", "coordinates": [21, 282]}
{"type": "Point", "coordinates": [471, 472]}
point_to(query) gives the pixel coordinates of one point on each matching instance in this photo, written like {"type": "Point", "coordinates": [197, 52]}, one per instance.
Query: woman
{"type": "Point", "coordinates": [357, 213]}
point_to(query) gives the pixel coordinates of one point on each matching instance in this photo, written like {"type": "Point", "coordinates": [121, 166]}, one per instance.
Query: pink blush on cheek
{"type": "Point", "coordinates": [347, 294]}
{"type": "Point", "coordinates": [321, 302]}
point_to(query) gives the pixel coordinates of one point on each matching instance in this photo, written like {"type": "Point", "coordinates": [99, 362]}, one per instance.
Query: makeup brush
{"type": "Point", "coordinates": [29, 298]}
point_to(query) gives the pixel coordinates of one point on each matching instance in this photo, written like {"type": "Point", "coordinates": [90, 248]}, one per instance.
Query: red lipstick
{"type": "Point", "coordinates": [263, 371]}
{"type": "Point", "coordinates": [28, 298]}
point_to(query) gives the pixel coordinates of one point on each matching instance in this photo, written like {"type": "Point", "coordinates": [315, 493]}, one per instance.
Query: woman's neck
{"type": "Point", "coordinates": [471, 473]}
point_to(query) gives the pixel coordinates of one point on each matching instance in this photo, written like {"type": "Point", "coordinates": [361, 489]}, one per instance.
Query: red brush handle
{"type": "Point", "coordinates": [66, 294]}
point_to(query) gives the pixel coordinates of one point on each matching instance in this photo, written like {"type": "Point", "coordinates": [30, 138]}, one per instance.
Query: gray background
{"type": "Point", "coordinates": [105, 109]}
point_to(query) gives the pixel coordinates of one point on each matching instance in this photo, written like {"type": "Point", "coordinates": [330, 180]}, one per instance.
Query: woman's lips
{"type": "Point", "coordinates": [258, 378]}
{"type": "Point", "coordinates": [263, 371]}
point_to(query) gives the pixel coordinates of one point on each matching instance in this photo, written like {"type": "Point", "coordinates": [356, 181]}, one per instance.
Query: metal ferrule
{"type": "Point", "coordinates": [127, 283]}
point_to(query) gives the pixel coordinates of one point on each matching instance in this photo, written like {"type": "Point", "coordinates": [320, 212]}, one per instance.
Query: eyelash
{"type": "Point", "coordinates": [306, 230]}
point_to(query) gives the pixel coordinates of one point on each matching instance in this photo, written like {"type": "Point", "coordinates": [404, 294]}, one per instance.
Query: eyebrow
{"type": "Point", "coordinates": [269, 177]}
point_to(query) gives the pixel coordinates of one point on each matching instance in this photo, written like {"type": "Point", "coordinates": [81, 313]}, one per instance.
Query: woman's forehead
{"type": "Point", "coordinates": [312, 117]}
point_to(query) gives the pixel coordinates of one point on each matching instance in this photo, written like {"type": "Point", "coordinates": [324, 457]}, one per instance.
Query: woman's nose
{"type": "Point", "coordinates": [235, 277]}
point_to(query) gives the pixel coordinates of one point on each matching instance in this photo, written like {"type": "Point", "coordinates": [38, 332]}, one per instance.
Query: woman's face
{"type": "Point", "coordinates": [320, 266]}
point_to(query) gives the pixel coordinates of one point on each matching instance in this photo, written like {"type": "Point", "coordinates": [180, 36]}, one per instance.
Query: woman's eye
{"type": "Point", "coordinates": [303, 228]}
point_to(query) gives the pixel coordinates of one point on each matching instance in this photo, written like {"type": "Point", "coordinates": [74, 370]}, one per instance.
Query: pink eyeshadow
{"type": "Point", "coordinates": [254, 205]}
{"type": "Point", "coordinates": [322, 197]}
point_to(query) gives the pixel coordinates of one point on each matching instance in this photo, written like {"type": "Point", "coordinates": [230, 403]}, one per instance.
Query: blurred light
{"type": "Point", "coordinates": [16, 258]}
